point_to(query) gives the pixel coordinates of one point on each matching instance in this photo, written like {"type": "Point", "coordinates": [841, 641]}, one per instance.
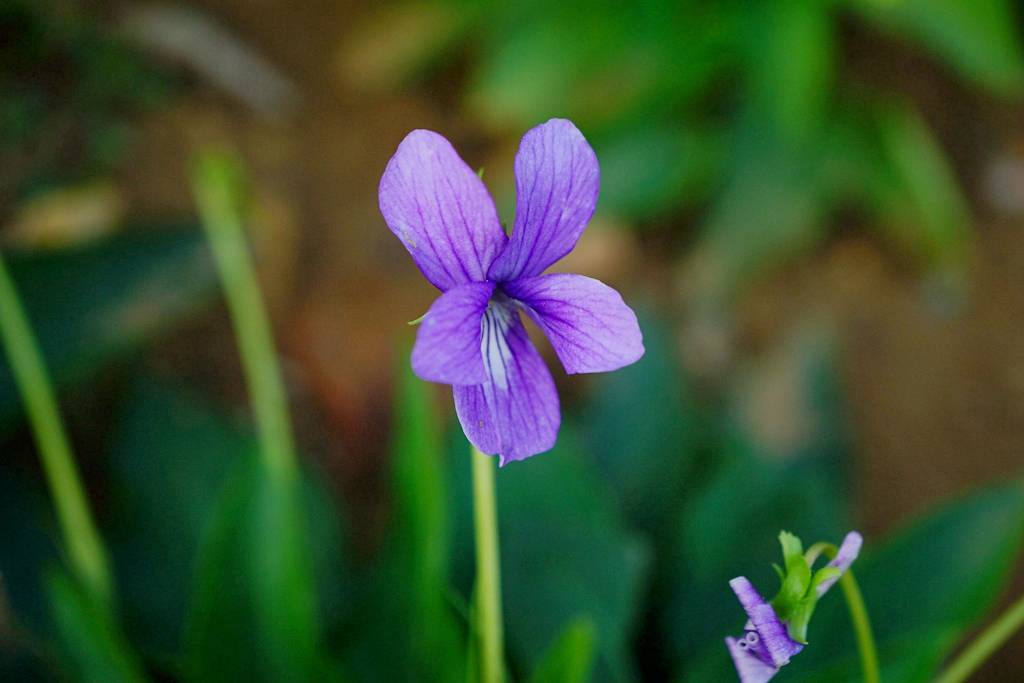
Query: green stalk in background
{"type": "Point", "coordinates": [489, 628]}
{"type": "Point", "coordinates": [217, 187]}
{"type": "Point", "coordinates": [281, 566]}
{"type": "Point", "coordinates": [82, 543]}
{"type": "Point", "coordinates": [987, 642]}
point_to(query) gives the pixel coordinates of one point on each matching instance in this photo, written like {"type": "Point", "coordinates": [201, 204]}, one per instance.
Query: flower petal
{"type": "Point", "coordinates": [847, 553]}
{"type": "Point", "coordinates": [515, 413]}
{"type": "Point", "coordinates": [772, 633]}
{"type": "Point", "coordinates": [557, 182]}
{"type": "Point", "coordinates": [440, 210]}
{"type": "Point", "coordinates": [447, 346]}
{"type": "Point", "coordinates": [590, 327]}
{"type": "Point", "coordinates": [748, 665]}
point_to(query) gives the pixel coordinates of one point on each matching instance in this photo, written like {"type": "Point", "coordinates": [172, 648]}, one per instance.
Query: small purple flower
{"type": "Point", "coordinates": [765, 646]}
{"type": "Point", "coordinates": [768, 641]}
{"type": "Point", "coordinates": [472, 336]}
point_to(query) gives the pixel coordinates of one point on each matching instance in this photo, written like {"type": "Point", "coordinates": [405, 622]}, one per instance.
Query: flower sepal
{"type": "Point", "coordinates": [799, 592]}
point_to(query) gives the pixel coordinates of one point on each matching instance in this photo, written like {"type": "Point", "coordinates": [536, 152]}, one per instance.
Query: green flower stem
{"type": "Point", "coordinates": [987, 642]}
{"type": "Point", "coordinates": [489, 629]}
{"type": "Point", "coordinates": [82, 542]}
{"type": "Point", "coordinates": [217, 184]}
{"type": "Point", "coordinates": [861, 627]}
{"type": "Point", "coordinates": [858, 613]}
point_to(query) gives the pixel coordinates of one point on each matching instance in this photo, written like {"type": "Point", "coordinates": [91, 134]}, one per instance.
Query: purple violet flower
{"type": "Point", "coordinates": [769, 641]}
{"type": "Point", "coordinates": [765, 646]}
{"type": "Point", "coordinates": [472, 336]}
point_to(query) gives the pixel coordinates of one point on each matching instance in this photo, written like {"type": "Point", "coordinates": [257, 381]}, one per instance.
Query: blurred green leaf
{"type": "Point", "coordinates": [18, 663]}
{"type": "Point", "coordinates": [539, 69]}
{"type": "Point", "coordinates": [424, 531]}
{"type": "Point", "coordinates": [849, 155]}
{"type": "Point", "coordinates": [194, 512]}
{"type": "Point", "coordinates": [598, 64]}
{"type": "Point", "coordinates": [222, 606]}
{"type": "Point", "coordinates": [28, 545]}
{"type": "Point", "coordinates": [170, 458]}
{"type": "Point", "coordinates": [780, 466]}
{"type": "Point", "coordinates": [650, 168]}
{"type": "Point", "coordinates": [92, 646]}
{"type": "Point", "coordinates": [571, 656]}
{"type": "Point", "coordinates": [916, 193]}
{"type": "Point", "coordinates": [409, 628]}
{"type": "Point", "coordinates": [565, 553]}
{"type": "Point", "coordinates": [645, 448]}
{"type": "Point", "coordinates": [979, 38]}
{"type": "Point", "coordinates": [92, 304]}
{"type": "Point", "coordinates": [771, 206]}
{"type": "Point", "coordinates": [284, 588]}
{"type": "Point", "coordinates": [252, 612]}
{"type": "Point", "coordinates": [646, 82]}
{"type": "Point", "coordinates": [162, 503]}
{"type": "Point", "coordinates": [771, 209]}
{"type": "Point", "coordinates": [925, 589]}
{"type": "Point", "coordinates": [790, 67]}
{"type": "Point", "coordinates": [47, 622]}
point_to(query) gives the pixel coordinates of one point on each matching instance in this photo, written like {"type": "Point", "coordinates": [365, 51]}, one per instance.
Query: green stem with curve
{"type": "Point", "coordinates": [285, 607]}
{"type": "Point", "coordinates": [489, 629]}
{"type": "Point", "coordinates": [858, 613]}
{"type": "Point", "coordinates": [86, 554]}
{"type": "Point", "coordinates": [987, 642]}
{"type": "Point", "coordinates": [861, 627]}
{"type": "Point", "coordinates": [216, 183]}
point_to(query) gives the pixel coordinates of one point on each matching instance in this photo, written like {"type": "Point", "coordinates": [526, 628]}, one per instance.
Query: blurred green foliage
{"type": "Point", "coordinates": [744, 113]}
{"type": "Point", "coordinates": [92, 648]}
{"type": "Point", "coordinates": [409, 623]}
{"type": "Point", "coordinates": [597, 585]}
{"type": "Point", "coordinates": [617, 546]}
{"type": "Point", "coordinates": [571, 656]}
{"type": "Point", "coordinates": [67, 88]}
{"type": "Point", "coordinates": [95, 303]}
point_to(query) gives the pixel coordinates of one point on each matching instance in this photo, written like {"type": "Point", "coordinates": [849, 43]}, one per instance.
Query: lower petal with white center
{"type": "Point", "coordinates": [448, 342]}
{"type": "Point", "coordinates": [515, 413]}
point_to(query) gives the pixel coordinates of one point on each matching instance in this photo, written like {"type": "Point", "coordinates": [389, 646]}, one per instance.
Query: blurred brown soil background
{"type": "Point", "coordinates": [935, 393]}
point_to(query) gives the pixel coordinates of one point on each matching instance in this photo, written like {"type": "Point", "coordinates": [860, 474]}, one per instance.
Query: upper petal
{"type": "Point", "coordinates": [773, 636]}
{"type": "Point", "coordinates": [588, 323]}
{"type": "Point", "coordinates": [515, 412]}
{"type": "Point", "coordinates": [440, 210]}
{"type": "Point", "coordinates": [448, 341]}
{"type": "Point", "coordinates": [557, 182]}
{"type": "Point", "coordinates": [847, 553]}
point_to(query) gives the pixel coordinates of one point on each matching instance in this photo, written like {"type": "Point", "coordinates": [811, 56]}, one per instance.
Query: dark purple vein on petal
{"type": "Point", "coordinates": [447, 229]}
